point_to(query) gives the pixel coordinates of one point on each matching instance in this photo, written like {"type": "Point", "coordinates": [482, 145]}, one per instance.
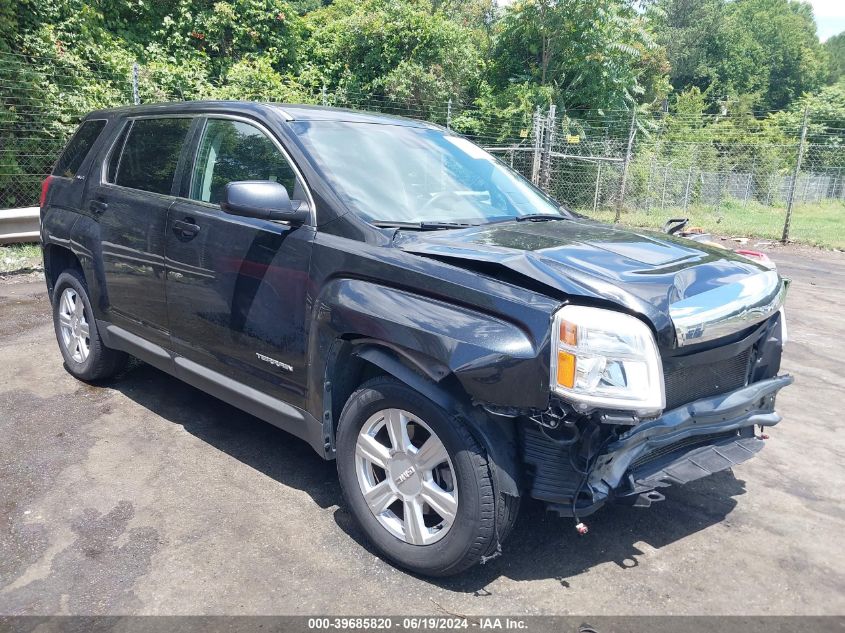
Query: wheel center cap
{"type": "Point", "coordinates": [404, 477]}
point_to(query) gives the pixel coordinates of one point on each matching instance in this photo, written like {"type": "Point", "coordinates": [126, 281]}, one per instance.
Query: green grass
{"type": "Point", "coordinates": [821, 224]}
{"type": "Point", "coordinates": [15, 257]}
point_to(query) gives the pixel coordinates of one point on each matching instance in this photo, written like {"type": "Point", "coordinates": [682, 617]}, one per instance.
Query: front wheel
{"type": "Point", "coordinates": [417, 481]}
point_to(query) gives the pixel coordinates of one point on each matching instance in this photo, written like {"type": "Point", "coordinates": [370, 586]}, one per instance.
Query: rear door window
{"type": "Point", "coordinates": [150, 154]}
{"type": "Point", "coordinates": [78, 147]}
{"type": "Point", "coordinates": [116, 153]}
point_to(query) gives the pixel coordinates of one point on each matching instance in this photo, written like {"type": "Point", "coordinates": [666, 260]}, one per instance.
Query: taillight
{"type": "Point", "coordinates": [45, 187]}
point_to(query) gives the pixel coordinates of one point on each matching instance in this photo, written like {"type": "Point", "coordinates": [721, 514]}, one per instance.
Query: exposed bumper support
{"type": "Point", "coordinates": [684, 444]}
{"type": "Point", "coordinates": [696, 464]}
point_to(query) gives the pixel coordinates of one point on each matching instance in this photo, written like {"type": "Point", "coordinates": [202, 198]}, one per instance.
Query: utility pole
{"type": "Point", "coordinates": [625, 165]}
{"type": "Point", "coordinates": [790, 202]}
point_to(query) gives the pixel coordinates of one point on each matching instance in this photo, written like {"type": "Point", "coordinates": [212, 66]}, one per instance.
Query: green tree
{"type": "Point", "coordinates": [406, 52]}
{"type": "Point", "coordinates": [826, 120]}
{"type": "Point", "coordinates": [779, 37]}
{"type": "Point", "coordinates": [592, 55]}
{"type": "Point", "coordinates": [691, 31]}
{"type": "Point", "coordinates": [835, 47]}
{"type": "Point", "coordinates": [256, 79]}
{"type": "Point", "coordinates": [765, 50]}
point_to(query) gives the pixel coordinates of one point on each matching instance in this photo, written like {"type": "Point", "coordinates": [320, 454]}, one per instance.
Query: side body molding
{"type": "Point", "coordinates": [240, 395]}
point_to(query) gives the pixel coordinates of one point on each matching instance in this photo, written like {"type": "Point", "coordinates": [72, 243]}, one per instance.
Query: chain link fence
{"type": "Point", "coordinates": [733, 172]}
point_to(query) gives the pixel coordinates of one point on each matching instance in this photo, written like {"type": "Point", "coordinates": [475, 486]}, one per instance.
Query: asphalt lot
{"type": "Point", "coordinates": [147, 497]}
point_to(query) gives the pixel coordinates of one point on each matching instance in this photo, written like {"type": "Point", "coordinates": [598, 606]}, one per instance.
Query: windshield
{"type": "Point", "coordinates": [398, 174]}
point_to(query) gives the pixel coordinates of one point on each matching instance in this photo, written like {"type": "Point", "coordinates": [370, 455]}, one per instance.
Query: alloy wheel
{"type": "Point", "coordinates": [74, 326]}
{"type": "Point", "coordinates": [406, 477]}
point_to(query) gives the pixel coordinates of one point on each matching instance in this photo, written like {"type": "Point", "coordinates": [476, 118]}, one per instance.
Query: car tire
{"type": "Point", "coordinates": [459, 492]}
{"type": "Point", "coordinates": [85, 355]}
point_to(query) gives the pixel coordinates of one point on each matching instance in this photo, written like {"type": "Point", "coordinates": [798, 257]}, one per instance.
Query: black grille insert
{"type": "Point", "coordinates": [686, 384]}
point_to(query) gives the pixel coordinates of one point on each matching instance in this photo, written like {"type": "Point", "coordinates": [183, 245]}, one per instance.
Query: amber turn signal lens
{"type": "Point", "coordinates": [568, 333]}
{"type": "Point", "coordinates": [565, 369]}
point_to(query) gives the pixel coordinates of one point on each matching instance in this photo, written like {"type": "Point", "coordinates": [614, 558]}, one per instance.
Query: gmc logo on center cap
{"type": "Point", "coordinates": [404, 476]}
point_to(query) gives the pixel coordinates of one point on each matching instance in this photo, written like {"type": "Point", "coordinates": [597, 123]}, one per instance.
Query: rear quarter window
{"type": "Point", "coordinates": [78, 147]}
{"type": "Point", "coordinates": [150, 154]}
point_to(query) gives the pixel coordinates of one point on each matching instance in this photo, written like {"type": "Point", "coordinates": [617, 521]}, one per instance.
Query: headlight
{"type": "Point", "coordinates": [607, 359]}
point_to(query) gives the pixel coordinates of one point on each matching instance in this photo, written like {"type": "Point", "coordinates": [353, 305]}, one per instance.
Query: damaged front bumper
{"type": "Point", "coordinates": [682, 445]}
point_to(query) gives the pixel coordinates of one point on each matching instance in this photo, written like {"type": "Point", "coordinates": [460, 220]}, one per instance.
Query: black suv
{"type": "Point", "coordinates": [408, 305]}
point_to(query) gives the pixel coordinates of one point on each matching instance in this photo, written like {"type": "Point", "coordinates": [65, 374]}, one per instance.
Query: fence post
{"type": "Point", "coordinates": [791, 199]}
{"type": "Point", "coordinates": [657, 156]}
{"type": "Point", "coordinates": [625, 165]}
{"type": "Point", "coordinates": [449, 114]}
{"type": "Point", "coordinates": [648, 184]}
{"type": "Point", "coordinates": [749, 181]}
{"type": "Point", "coordinates": [596, 194]}
{"type": "Point", "coordinates": [720, 180]}
{"type": "Point", "coordinates": [136, 98]}
{"type": "Point", "coordinates": [538, 144]}
{"type": "Point", "coordinates": [323, 97]}
{"type": "Point", "coordinates": [548, 146]}
{"type": "Point", "coordinates": [689, 179]}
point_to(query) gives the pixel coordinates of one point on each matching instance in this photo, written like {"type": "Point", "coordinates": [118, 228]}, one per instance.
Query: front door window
{"type": "Point", "coordinates": [233, 150]}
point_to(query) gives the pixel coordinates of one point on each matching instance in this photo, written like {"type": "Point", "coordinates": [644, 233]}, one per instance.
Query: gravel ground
{"type": "Point", "coordinates": [145, 496]}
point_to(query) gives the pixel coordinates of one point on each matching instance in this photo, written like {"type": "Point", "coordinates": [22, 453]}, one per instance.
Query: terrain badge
{"type": "Point", "coordinates": [274, 362]}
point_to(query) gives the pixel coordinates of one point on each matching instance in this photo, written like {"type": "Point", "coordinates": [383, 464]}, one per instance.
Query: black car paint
{"type": "Point", "coordinates": [641, 273]}
{"type": "Point", "coordinates": [462, 314]}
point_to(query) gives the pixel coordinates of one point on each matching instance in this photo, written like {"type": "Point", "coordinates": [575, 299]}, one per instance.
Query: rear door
{"type": "Point", "coordinates": [131, 201]}
{"type": "Point", "coordinates": [236, 286]}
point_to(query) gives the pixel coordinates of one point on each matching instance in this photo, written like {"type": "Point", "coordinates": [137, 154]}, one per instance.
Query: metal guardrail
{"type": "Point", "coordinates": [18, 226]}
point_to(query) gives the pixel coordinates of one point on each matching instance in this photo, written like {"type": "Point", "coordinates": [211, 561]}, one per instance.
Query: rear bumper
{"type": "Point", "coordinates": [684, 444]}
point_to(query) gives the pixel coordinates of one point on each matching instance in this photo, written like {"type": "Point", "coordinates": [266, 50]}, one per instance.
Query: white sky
{"type": "Point", "coordinates": [830, 16]}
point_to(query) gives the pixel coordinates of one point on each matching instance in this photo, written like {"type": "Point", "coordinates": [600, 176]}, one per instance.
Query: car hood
{"type": "Point", "coordinates": [645, 273]}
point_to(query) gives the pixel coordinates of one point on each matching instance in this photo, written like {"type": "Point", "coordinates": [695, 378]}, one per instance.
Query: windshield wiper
{"type": "Point", "coordinates": [538, 217]}
{"type": "Point", "coordinates": [421, 226]}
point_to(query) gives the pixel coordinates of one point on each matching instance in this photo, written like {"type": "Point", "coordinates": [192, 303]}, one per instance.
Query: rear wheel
{"type": "Point", "coordinates": [85, 355]}
{"type": "Point", "coordinates": [417, 481]}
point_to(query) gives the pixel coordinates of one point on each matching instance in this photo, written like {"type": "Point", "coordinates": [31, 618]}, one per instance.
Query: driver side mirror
{"type": "Point", "coordinates": [261, 199]}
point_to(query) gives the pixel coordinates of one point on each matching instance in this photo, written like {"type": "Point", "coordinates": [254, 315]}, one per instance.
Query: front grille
{"type": "Point", "coordinates": [686, 384]}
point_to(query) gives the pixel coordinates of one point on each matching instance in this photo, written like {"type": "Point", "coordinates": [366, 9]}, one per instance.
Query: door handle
{"type": "Point", "coordinates": [98, 206]}
{"type": "Point", "coordinates": [186, 229]}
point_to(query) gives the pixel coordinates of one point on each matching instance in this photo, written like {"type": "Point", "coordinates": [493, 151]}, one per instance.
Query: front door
{"type": "Point", "coordinates": [236, 286]}
{"type": "Point", "coordinates": [131, 202]}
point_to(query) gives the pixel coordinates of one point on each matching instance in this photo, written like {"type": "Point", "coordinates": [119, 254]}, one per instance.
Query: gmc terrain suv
{"type": "Point", "coordinates": [408, 305]}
